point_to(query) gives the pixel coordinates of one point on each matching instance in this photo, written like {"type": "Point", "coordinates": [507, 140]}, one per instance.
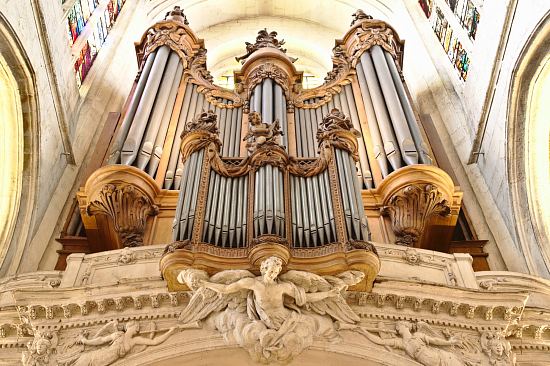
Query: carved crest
{"type": "Point", "coordinates": [263, 39]}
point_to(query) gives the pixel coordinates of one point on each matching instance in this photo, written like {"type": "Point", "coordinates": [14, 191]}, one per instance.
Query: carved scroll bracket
{"type": "Point", "coordinates": [411, 208]}
{"type": "Point", "coordinates": [127, 196]}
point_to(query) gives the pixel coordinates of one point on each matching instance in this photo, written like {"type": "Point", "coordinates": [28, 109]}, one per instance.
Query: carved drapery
{"type": "Point", "coordinates": [410, 210]}
{"type": "Point", "coordinates": [128, 207]}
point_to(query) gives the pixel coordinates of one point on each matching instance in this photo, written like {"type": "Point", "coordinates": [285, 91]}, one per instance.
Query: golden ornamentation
{"type": "Point", "coordinates": [263, 39]}
{"type": "Point", "coordinates": [410, 209]}
{"type": "Point", "coordinates": [128, 207]}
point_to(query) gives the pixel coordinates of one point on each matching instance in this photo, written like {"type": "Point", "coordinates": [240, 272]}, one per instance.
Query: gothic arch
{"type": "Point", "coordinates": [529, 146]}
{"type": "Point", "coordinates": [19, 145]}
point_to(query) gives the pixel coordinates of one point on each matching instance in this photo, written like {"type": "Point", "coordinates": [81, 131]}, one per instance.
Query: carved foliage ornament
{"type": "Point", "coordinates": [264, 71]}
{"type": "Point", "coordinates": [128, 207]}
{"type": "Point", "coordinates": [411, 208]}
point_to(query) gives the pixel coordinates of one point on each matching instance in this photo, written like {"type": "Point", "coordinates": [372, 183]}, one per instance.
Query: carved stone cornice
{"type": "Point", "coordinates": [365, 33]}
{"type": "Point", "coordinates": [410, 210]}
{"type": "Point", "coordinates": [128, 207]}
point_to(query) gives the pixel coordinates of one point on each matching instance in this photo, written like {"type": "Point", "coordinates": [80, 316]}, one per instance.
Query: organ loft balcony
{"type": "Point", "coordinates": [226, 178]}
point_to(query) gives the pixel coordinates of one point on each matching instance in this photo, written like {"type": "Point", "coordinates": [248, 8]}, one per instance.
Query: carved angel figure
{"type": "Point", "coordinates": [418, 344]}
{"type": "Point", "coordinates": [40, 350]}
{"type": "Point", "coordinates": [261, 133]}
{"type": "Point", "coordinates": [114, 345]}
{"type": "Point", "coordinates": [274, 317]}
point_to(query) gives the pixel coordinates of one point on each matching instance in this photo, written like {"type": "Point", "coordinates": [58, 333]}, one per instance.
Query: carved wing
{"type": "Point", "coordinates": [336, 306]}
{"type": "Point", "coordinates": [206, 301]}
{"type": "Point", "coordinates": [310, 282]}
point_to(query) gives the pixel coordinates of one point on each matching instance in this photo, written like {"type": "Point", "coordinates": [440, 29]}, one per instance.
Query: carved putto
{"type": "Point", "coordinates": [275, 317]}
{"type": "Point", "coordinates": [263, 39]}
{"type": "Point", "coordinates": [261, 134]}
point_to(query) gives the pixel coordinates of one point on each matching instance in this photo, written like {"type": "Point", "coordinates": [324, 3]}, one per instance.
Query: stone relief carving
{"type": "Point", "coordinates": [275, 317]}
{"type": "Point", "coordinates": [498, 349]}
{"type": "Point", "coordinates": [261, 133]}
{"type": "Point", "coordinates": [41, 350]}
{"type": "Point", "coordinates": [110, 343]}
{"type": "Point", "coordinates": [422, 343]}
{"type": "Point", "coordinates": [128, 207]}
{"type": "Point", "coordinates": [410, 210]}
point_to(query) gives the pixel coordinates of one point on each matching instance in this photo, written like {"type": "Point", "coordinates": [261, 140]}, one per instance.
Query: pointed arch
{"type": "Point", "coordinates": [19, 145]}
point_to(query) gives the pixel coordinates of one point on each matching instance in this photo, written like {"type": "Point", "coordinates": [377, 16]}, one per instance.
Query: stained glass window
{"type": "Point", "coordinates": [100, 27]}
{"type": "Point", "coordinates": [427, 6]}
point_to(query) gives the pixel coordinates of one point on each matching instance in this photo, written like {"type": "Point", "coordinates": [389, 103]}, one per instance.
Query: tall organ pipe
{"type": "Point", "coordinates": [131, 145]}
{"type": "Point", "coordinates": [399, 121]}
{"type": "Point", "coordinates": [363, 158]}
{"type": "Point", "coordinates": [159, 109]}
{"type": "Point", "coordinates": [114, 154]}
{"type": "Point", "coordinates": [161, 135]}
{"type": "Point", "coordinates": [267, 100]}
{"type": "Point", "coordinates": [174, 153]}
{"type": "Point", "coordinates": [409, 114]}
{"type": "Point", "coordinates": [391, 147]}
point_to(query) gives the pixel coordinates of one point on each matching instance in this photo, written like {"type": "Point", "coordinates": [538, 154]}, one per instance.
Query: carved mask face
{"type": "Point", "coordinates": [498, 348]}
{"type": "Point", "coordinates": [271, 268]}
{"type": "Point", "coordinates": [41, 347]}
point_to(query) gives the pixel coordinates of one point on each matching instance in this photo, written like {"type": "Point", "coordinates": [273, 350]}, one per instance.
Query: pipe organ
{"type": "Point", "coordinates": [228, 177]}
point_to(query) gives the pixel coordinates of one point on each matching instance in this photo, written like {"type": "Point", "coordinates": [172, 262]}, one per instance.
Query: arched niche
{"type": "Point", "coordinates": [529, 148]}
{"type": "Point", "coordinates": [18, 148]}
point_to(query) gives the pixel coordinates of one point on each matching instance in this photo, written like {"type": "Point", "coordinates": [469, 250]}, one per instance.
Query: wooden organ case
{"type": "Point", "coordinates": [228, 178]}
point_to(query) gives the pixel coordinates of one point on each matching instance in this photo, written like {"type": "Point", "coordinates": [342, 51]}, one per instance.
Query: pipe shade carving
{"type": "Point", "coordinates": [128, 207]}
{"type": "Point", "coordinates": [410, 210]}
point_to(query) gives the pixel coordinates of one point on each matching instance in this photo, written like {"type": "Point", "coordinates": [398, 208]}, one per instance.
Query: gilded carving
{"type": "Point", "coordinates": [410, 210]}
{"type": "Point", "coordinates": [128, 207]}
{"type": "Point", "coordinates": [263, 39]}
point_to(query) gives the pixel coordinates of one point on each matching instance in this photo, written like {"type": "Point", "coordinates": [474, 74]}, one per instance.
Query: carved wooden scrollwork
{"type": "Point", "coordinates": [336, 131]}
{"type": "Point", "coordinates": [372, 32]}
{"type": "Point", "coordinates": [411, 208]}
{"type": "Point", "coordinates": [264, 71]}
{"type": "Point", "coordinates": [128, 207]}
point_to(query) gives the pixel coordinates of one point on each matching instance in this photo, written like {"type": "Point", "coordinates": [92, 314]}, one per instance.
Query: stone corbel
{"type": "Point", "coordinates": [126, 195]}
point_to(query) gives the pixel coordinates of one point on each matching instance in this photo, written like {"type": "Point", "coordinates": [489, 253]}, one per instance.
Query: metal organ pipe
{"type": "Point", "coordinates": [158, 111]}
{"type": "Point", "coordinates": [131, 144]}
{"type": "Point", "coordinates": [161, 135]}
{"type": "Point", "coordinates": [409, 114]}
{"type": "Point", "coordinates": [114, 155]}
{"type": "Point", "coordinates": [399, 121]}
{"type": "Point", "coordinates": [391, 148]}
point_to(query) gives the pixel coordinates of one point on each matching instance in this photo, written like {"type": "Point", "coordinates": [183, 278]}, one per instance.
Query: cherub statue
{"type": "Point", "coordinates": [115, 345]}
{"type": "Point", "coordinates": [274, 317]}
{"type": "Point", "coordinates": [261, 133]}
{"type": "Point", "coordinates": [418, 344]}
{"type": "Point", "coordinates": [40, 350]}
